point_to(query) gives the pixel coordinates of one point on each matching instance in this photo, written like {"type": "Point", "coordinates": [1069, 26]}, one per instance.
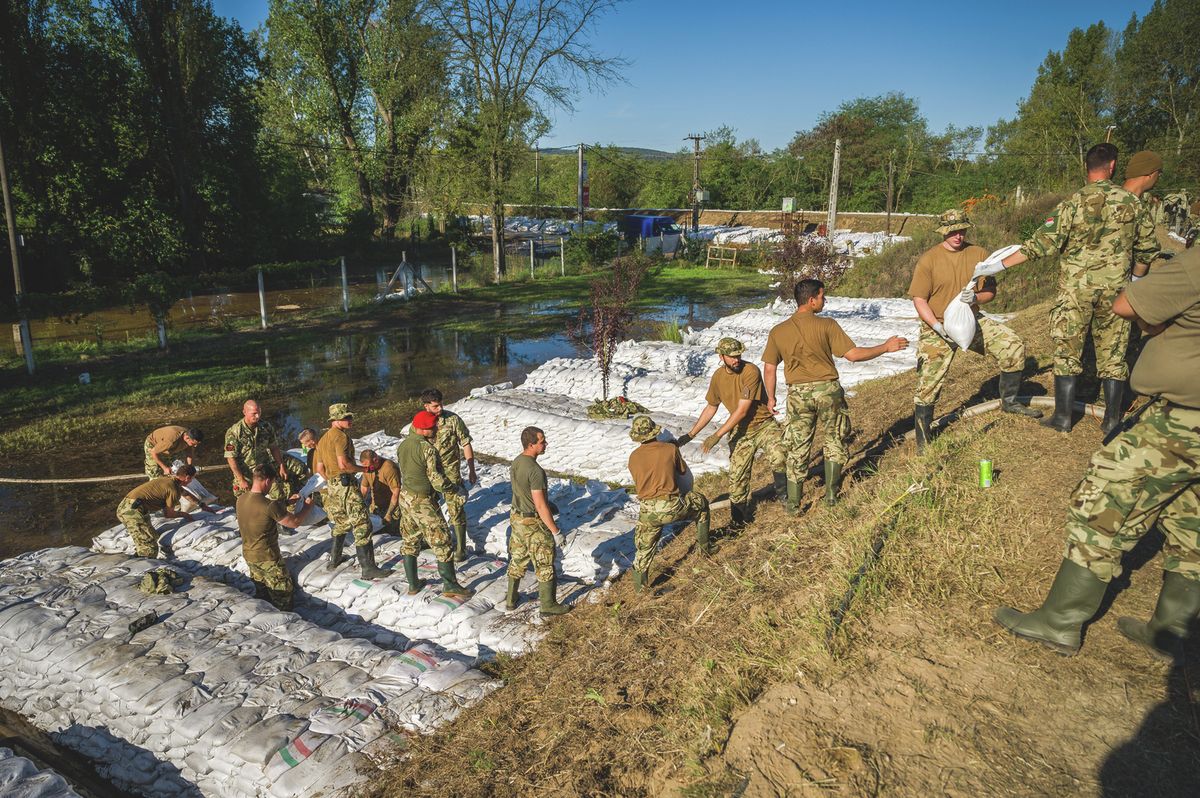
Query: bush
{"type": "Point", "coordinates": [807, 258]}
{"type": "Point", "coordinates": [592, 249]}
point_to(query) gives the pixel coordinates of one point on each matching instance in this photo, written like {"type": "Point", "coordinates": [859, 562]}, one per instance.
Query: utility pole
{"type": "Point", "coordinates": [18, 287]}
{"type": "Point", "coordinates": [537, 181]}
{"type": "Point", "coordinates": [695, 179]}
{"type": "Point", "coordinates": [581, 178]}
{"type": "Point", "coordinates": [833, 189]}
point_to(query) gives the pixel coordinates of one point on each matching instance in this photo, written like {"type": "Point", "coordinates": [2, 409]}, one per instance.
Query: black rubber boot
{"type": "Point", "coordinates": [740, 516]}
{"type": "Point", "coordinates": [795, 492]}
{"type": "Point", "coordinates": [366, 561]}
{"type": "Point", "coordinates": [1114, 405]}
{"type": "Point", "coordinates": [513, 597]}
{"type": "Point", "coordinates": [460, 542]}
{"type": "Point", "coordinates": [335, 552]}
{"type": "Point", "coordinates": [780, 485]}
{"type": "Point", "coordinates": [639, 581]}
{"type": "Point", "coordinates": [450, 586]}
{"type": "Point", "coordinates": [1178, 604]}
{"type": "Point", "coordinates": [1064, 403]}
{"type": "Point", "coordinates": [548, 598]}
{"type": "Point", "coordinates": [281, 600]}
{"type": "Point", "coordinates": [706, 546]}
{"type": "Point", "coordinates": [1010, 383]}
{"type": "Point", "coordinates": [833, 481]}
{"type": "Point", "coordinates": [922, 425]}
{"type": "Point", "coordinates": [1073, 599]}
{"type": "Point", "coordinates": [410, 573]}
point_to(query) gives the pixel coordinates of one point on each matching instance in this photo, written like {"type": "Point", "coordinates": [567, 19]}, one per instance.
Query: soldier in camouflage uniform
{"type": "Point", "coordinates": [655, 466]}
{"type": "Point", "coordinates": [738, 385]}
{"type": "Point", "coordinates": [420, 517]}
{"type": "Point", "coordinates": [164, 444]}
{"type": "Point", "coordinates": [258, 520]}
{"type": "Point", "coordinates": [1148, 474]}
{"type": "Point", "coordinates": [806, 345]}
{"type": "Point", "coordinates": [248, 443]}
{"type": "Point", "coordinates": [942, 274]}
{"type": "Point", "coordinates": [1098, 232]}
{"type": "Point", "coordinates": [334, 460]}
{"type": "Point", "coordinates": [453, 444]}
{"type": "Point", "coordinates": [534, 532]}
{"type": "Point", "coordinates": [1175, 220]}
{"type": "Point", "coordinates": [160, 493]}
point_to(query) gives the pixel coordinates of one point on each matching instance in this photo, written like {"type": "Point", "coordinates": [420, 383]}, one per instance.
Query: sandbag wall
{"type": "Point", "coordinates": [20, 778]}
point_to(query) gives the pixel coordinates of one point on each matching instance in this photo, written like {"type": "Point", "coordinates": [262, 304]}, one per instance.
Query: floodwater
{"type": "Point", "coordinates": [384, 371]}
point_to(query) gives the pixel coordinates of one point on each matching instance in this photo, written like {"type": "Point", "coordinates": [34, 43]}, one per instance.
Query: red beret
{"type": "Point", "coordinates": [424, 420]}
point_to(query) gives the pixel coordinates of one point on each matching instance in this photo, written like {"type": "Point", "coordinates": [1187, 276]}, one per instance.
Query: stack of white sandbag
{"type": "Point", "coordinates": [219, 695]}
{"type": "Point", "coordinates": [20, 778]}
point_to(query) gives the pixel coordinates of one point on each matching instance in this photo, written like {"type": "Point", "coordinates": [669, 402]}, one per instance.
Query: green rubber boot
{"type": "Point", "coordinates": [639, 581]}
{"type": "Point", "coordinates": [795, 492]}
{"type": "Point", "coordinates": [548, 598]}
{"type": "Point", "coordinates": [366, 561]}
{"type": "Point", "coordinates": [513, 597]}
{"type": "Point", "coordinates": [1178, 604]}
{"type": "Point", "coordinates": [922, 425]}
{"type": "Point", "coordinates": [1073, 599]}
{"type": "Point", "coordinates": [335, 552]}
{"type": "Point", "coordinates": [410, 573]}
{"type": "Point", "coordinates": [450, 586]}
{"type": "Point", "coordinates": [706, 546]}
{"type": "Point", "coordinates": [833, 481]}
{"type": "Point", "coordinates": [780, 479]}
{"type": "Point", "coordinates": [460, 542]}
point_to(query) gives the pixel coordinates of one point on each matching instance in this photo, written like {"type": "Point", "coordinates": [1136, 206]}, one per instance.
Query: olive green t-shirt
{"type": "Point", "coordinates": [729, 388]}
{"type": "Point", "coordinates": [807, 344]}
{"type": "Point", "coordinates": [256, 518]}
{"type": "Point", "coordinates": [333, 443]}
{"type": "Point", "coordinates": [380, 484]}
{"type": "Point", "coordinates": [168, 441]}
{"type": "Point", "coordinates": [157, 494]}
{"type": "Point", "coordinates": [654, 466]}
{"type": "Point", "coordinates": [527, 476]}
{"type": "Point", "coordinates": [941, 275]}
{"type": "Point", "coordinates": [1170, 361]}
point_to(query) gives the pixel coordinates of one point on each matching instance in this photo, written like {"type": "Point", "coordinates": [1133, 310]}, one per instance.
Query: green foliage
{"type": "Point", "coordinates": [592, 249]}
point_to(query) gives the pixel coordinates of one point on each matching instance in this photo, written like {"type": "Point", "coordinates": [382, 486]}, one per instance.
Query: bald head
{"type": "Point", "coordinates": [251, 412]}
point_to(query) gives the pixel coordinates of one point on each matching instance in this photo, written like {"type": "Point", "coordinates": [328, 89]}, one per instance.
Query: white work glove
{"type": "Point", "coordinates": [560, 540]}
{"type": "Point", "coordinates": [941, 331]}
{"type": "Point", "coordinates": [1133, 278]}
{"type": "Point", "coordinates": [968, 295]}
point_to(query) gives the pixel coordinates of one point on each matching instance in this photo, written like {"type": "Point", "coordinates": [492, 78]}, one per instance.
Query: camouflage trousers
{"type": "Point", "coordinates": [297, 475]}
{"type": "Point", "coordinates": [934, 355]}
{"type": "Point", "coordinates": [530, 541]}
{"type": "Point", "coordinates": [420, 517]}
{"type": "Point", "coordinates": [273, 583]}
{"type": "Point", "coordinates": [152, 468]}
{"type": "Point", "coordinates": [654, 514]}
{"type": "Point", "coordinates": [768, 436]}
{"type": "Point", "coordinates": [279, 488]}
{"type": "Point", "coordinates": [808, 403]}
{"type": "Point", "coordinates": [145, 539]}
{"type": "Point", "coordinates": [347, 512]}
{"type": "Point", "coordinates": [1148, 474]}
{"type": "Point", "coordinates": [456, 505]}
{"type": "Point", "coordinates": [1082, 308]}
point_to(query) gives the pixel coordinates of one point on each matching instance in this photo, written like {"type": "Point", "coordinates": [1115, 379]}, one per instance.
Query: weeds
{"type": "Point", "coordinates": [670, 330]}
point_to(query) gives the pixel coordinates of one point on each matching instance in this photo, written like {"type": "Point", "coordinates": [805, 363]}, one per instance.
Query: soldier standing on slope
{"type": "Point", "coordinates": [1148, 474]}
{"type": "Point", "coordinates": [453, 445]}
{"type": "Point", "coordinates": [806, 344]}
{"type": "Point", "coordinates": [1098, 231]}
{"type": "Point", "coordinates": [534, 531]}
{"type": "Point", "coordinates": [938, 278]}
{"type": "Point", "coordinates": [334, 460]}
{"type": "Point", "coordinates": [738, 385]}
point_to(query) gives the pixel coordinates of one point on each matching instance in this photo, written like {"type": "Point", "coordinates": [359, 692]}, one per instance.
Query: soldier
{"type": "Point", "coordinates": [166, 443]}
{"type": "Point", "coordinates": [656, 466]}
{"type": "Point", "coordinates": [1141, 174]}
{"type": "Point", "coordinates": [1148, 474]}
{"type": "Point", "coordinates": [1098, 231]}
{"type": "Point", "coordinates": [420, 477]}
{"type": "Point", "coordinates": [249, 442]}
{"type": "Point", "coordinates": [806, 344]}
{"type": "Point", "coordinates": [308, 446]}
{"type": "Point", "coordinates": [160, 493]}
{"type": "Point", "coordinates": [258, 520]}
{"type": "Point", "coordinates": [938, 278]}
{"type": "Point", "coordinates": [453, 443]}
{"type": "Point", "coordinates": [334, 460]}
{"type": "Point", "coordinates": [534, 532]}
{"type": "Point", "coordinates": [381, 489]}
{"type": "Point", "coordinates": [738, 385]}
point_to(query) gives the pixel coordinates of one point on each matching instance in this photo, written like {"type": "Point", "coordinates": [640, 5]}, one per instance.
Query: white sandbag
{"type": "Point", "coordinates": [959, 321]}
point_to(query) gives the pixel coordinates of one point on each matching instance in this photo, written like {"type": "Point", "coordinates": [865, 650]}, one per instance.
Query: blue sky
{"type": "Point", "coordinates": [768, 69]}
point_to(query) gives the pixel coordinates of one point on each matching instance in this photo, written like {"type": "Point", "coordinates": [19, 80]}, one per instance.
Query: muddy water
{"type": "Point", "coordinates": [381, 372]}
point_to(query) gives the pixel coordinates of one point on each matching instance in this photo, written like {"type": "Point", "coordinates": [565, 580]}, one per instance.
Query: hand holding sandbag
{"type": "Point", "coordinates": [992, 264]}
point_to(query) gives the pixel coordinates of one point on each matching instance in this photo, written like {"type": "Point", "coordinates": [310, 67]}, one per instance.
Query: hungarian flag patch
{"type": "Point", "coordinates": [1049, 221]}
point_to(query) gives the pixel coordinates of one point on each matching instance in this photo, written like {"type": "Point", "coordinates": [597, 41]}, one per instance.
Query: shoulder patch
{"type": "Point", "coordinates": [1049, 221]}
{"type": "Point", "coordinates": [229, 447]}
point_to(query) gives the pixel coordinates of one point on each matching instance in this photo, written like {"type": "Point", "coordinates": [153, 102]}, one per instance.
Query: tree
{"type": "Point", "coordinates": [602, 323]}
{"type": "Point", "coordinates": [513, 58]}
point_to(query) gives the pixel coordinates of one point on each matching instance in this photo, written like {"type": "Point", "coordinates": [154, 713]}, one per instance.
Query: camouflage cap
{"type": "Point", "coordinates": [730, 346]}
{"type": "Point", "coordinates": [952, 221]}
{"type": "Point", "coordinates": [644, 429]}
{"type": "Point", "coordinates": [1143, 163]}
{"type": "Point", "coordinates": [339, 411]}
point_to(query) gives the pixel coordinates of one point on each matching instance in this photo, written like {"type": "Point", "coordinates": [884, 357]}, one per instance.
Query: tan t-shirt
{"type": "Point", "coordinates": [256, 517]}
{"type": "Point", "coordinates": [527, 476]}
{"type": "Point", "coordinates": [654, 466]}
{"type": "Point", "coordinates": [1170, 361]}
{"type": "Point", "coordinates": [941, 275]}
{"type": "Point", "coordinates": [807, 344]}
{"type": "Point", "coordinates": [157, 494]}
{"type": "Point", "coordinates": [168, 440]}
{"type": "Point", "coordinates": [380, 484]}
{"type": "Point", "coordinates": [729, 388]}
{"type": "Point", "coordinates": [332, 443]}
